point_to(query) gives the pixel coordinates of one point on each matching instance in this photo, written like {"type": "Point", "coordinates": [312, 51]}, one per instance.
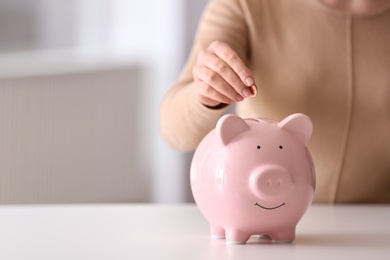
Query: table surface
{"type": "Point", "coordinates": [179, 231]}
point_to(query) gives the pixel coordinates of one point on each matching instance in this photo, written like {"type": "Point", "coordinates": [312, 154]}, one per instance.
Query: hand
{"type": "Point", "coordinates": [221, 76]}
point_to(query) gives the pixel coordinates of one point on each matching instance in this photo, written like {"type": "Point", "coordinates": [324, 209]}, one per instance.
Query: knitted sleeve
{"type": "Point", "coordinates": [183, 120]}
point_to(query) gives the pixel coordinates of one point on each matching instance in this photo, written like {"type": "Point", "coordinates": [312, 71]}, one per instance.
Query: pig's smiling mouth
{"type": "Point", "coordinates": [257, 204]}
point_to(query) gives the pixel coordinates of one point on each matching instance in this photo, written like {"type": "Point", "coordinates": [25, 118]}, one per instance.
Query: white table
{"type": "Point", "coordinates": [155, 231]}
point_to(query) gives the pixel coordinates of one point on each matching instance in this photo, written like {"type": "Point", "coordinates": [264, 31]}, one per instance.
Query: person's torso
{"type": "Point", "coordinates": [335, 69]}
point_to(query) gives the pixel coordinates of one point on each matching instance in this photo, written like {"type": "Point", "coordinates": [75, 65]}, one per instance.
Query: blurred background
{"type": "Point", "coordinates": [81, 83]}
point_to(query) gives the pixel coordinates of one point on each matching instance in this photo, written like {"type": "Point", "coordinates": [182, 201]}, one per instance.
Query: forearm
{"type": "Point", "coordinates": [184, 121]}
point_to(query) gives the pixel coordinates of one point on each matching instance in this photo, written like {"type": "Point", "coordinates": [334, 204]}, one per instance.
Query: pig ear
{"type": "Point", "coordinates": [300, 125]}
{"type": "Point", "coordinates": [230, 126]}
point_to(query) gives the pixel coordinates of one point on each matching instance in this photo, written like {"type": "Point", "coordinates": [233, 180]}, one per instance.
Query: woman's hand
{"type": "Point", "coordinates": [221, 77]}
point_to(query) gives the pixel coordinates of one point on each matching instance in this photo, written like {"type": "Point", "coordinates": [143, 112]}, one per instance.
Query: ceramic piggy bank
{"type": "Point", "coordinates": [254, 176]}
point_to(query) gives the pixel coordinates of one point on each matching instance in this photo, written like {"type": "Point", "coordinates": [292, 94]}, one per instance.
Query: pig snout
{"type": "Point", "coordinates": [271, 182]}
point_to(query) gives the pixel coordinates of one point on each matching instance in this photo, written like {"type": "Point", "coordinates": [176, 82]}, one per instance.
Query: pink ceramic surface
{"type": "Point", "coordinates": [254, 176]}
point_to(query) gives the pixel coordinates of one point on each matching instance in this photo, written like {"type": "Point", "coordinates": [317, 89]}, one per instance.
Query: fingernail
{"type": "Point", "coordinates": [246, 92]}
{"type": "Point", "coordinates": [249, 81]}
{"type": "Point", "coordinates": [239, 98]}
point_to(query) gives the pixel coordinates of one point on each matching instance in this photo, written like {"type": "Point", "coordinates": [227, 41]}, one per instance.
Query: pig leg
{"type": "Point", "coordinates": [283, 236]}
{"type": "Point", "coordinates": [234, 237]}
{"type": "Point", "coordinates": [217, 232]}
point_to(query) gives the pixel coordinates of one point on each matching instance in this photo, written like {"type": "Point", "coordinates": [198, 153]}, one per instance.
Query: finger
{"type": "Point", "coordinates": [209, 96]}
{"type": "Point", "coordinates": [214, 81]}
{"type": "Point", "coordinates": [231, 58]}
{"type": "Point", "coordinates": [214, 63]}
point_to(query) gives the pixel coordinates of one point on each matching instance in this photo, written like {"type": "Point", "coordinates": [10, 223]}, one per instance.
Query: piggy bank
{"type": "Point", "coordinates": [254, 177]}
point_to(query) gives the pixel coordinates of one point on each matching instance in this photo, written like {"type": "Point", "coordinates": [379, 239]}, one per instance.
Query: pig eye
{"type": "Point", "coordinates": [258, 147]}
{"type": "Point", "coordinates": [280, 147]}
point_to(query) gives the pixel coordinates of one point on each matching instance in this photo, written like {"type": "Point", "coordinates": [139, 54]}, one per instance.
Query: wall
{"type": "Point", "coordinates": [152, 35]}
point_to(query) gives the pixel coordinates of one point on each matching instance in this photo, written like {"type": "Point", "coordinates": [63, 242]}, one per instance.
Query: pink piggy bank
{"type": "Point", "coordinates": [254, 176]}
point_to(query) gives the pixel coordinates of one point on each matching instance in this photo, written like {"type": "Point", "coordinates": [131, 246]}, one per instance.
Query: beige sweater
{"type": "Point", "coordinates": [305, 58]}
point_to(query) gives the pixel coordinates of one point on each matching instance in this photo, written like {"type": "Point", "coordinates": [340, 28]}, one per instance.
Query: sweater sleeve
{"type": "Point", "coordinates": [184, 121]}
